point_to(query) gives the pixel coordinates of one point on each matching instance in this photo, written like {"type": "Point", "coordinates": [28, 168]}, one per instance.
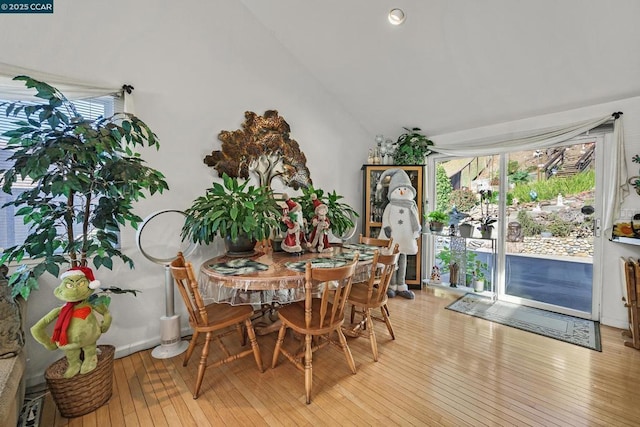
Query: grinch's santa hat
{"type": "Point", "coordinates": [316, 203]}
{"type": "Point", "coordinates": [397, 178]}
{"type": "Point", "coordinates": [82, 271]}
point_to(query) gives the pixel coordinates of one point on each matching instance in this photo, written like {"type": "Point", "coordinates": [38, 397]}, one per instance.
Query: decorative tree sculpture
{"type": "Point", "coordinates": [262, 146]}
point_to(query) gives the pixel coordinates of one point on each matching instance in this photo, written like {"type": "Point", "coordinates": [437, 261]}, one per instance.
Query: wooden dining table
{"type": "Point", "coordinates": [271, 277]}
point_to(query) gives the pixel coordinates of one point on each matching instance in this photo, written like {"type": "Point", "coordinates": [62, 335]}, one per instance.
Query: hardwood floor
{"type": "Point", "coordinates": [444, 368]}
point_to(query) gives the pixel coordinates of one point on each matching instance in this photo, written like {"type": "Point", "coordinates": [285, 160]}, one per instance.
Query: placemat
{"type": "Point", "coordinates": [364, 255]}
{"type": "Point", "coordinates": [238, 266]}
{"type": "Point", "coordinates": [361, 247]}
{"type": "Point", "coordinates": [316, 263]}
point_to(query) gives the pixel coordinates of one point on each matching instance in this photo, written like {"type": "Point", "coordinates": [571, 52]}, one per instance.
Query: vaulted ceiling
{"type": "Point", "coordinates": [461, 64]}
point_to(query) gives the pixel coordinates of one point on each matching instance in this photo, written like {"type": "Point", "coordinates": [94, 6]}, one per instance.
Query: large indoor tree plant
{"type": "Point", "coordinates": [85, 177]}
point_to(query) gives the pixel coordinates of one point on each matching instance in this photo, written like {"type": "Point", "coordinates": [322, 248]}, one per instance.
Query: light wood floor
{"type": "Point", "coordinates": [444, 368]}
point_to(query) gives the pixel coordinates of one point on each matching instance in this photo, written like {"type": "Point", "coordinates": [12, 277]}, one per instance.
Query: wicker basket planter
{"type": "Point", "coordinates": [82, 393]}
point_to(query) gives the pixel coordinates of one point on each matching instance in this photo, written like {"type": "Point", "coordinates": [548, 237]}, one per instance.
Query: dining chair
{"type": "Point", "coordinates": [322, 314]}
{"type": "Point", "coordinates": [372, 294]}
{"type": "Point", "coordinates": [214, 320]}
{"type": "Point", "coordinates": [373, 241]}
{"type": "Point", "coordinates": [382, 243]}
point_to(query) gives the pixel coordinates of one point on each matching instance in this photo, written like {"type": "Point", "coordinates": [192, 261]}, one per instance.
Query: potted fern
{"type": "Point", "coordinates": [437, 219]}
{"type": "Point", "coordinates": [85, 177]}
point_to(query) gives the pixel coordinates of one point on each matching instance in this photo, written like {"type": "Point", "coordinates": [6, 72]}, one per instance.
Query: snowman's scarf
{"type": "Point", "coordinates": [410, 204]}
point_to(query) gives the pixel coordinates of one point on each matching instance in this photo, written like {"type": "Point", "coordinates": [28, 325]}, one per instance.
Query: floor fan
{"type": "Point", "coordinates": [159, 240]}
{"type": "Point", "coordinates": [350, 231]}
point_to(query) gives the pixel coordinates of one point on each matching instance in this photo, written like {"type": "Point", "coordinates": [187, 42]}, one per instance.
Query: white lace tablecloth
{"type": "Point", "coordinates": [281, 282]}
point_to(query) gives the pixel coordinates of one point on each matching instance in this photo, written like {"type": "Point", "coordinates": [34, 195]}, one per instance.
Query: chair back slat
{"type": "Point", "coordinates": [373, 241]}
{"type": "Point", "coordinates": [187, 284]}
{"type": "Point", "coordinates": [385, 267]}
{"type": "Point", "coordinates": [334, 285]}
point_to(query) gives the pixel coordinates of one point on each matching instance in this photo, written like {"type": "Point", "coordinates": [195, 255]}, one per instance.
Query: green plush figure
{"type": "Point", "coordinates": [77, 329]}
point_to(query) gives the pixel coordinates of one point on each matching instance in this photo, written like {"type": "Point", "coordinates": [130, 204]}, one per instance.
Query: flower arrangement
{"type": "Point", "coordinates": [486, 220]}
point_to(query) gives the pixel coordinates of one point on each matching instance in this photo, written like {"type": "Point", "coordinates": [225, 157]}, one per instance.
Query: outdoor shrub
{"type": "Point", "coordinates": [560, 227]}
{"type": "Point", "coordinates": [550, 188]}
{"type": "Point", "coordinates": [464, 199]}
{"type": "Point", "coordinates": [529, 226]}
{"type": "Point", "coordinates": [443, 190]}
{"type": "Point", "coordinates": [519, 177]}
{"type": "Point", "coordinates": [512, 167]}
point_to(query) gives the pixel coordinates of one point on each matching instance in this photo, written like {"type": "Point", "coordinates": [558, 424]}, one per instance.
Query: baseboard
{"type": "Point", "coordinates": [121, 351]}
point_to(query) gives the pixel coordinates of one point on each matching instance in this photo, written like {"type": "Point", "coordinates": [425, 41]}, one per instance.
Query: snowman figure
{"type": "Point", "coordinates": [400, 222]}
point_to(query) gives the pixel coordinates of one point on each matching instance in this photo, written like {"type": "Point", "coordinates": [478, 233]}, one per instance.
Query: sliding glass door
{"type": "Point", "coordinates": [545, 206]}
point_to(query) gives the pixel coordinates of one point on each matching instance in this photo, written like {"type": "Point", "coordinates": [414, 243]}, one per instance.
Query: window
{"type": "Point", "coordinates": [12, 230]}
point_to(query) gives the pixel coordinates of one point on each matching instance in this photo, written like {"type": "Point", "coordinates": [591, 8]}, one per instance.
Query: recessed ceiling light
{"type": "Point", "coordinates": [396, 16]}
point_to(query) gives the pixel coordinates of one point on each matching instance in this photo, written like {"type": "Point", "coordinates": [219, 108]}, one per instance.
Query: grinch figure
{"type": "Point", "coordinates": [400, 222]}
{"type": "Point", "coordinates": [319, 237]}
{"type": "Point", "coordinates": [76, 329]}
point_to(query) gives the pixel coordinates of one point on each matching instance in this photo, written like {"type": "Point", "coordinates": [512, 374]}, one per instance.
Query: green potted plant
{"type": "Point", "coordinates": [341, 216]}
{"type": "Point", "coordinates": [85, 178]}
{"type": "Point", "coordinates": [472, 265]}
{"type": "Point", "coordinates": [236, 211]}
{"type": "Point", "coordinates": [437, 220]}
{"type": "Point", "coordinates": [412, 147]}
{"type": "Point", "coordinates": [486, 220]}
{"type": "Point", "coordinates": [479, 274]}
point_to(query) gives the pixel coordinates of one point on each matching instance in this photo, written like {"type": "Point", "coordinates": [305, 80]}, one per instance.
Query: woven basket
{"type": "Point", "coordinates": [82, 393]}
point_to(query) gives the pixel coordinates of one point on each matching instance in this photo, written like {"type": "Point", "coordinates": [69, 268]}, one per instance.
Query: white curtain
{"type": "Point", "coordinates": [71, 88]}
{"type": "Point", "coordinates": [617, 188]}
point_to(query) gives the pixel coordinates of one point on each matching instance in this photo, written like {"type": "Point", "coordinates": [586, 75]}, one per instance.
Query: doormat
{"type": "Point", "coordinates": [582, 332]}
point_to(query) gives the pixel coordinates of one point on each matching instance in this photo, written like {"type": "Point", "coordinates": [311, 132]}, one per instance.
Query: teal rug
{"type": "Point", "coordinates": [582, 332]}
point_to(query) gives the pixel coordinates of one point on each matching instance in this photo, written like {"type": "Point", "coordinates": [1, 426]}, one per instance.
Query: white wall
{"type": "Point", "coordinates": [196, 68]}
{"type": "Point", "coordinates": [612, 312]}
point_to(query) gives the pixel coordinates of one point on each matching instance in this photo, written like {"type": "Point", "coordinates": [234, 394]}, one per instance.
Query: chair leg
{"type": "Point", "coordinates": [243, 340]}
{"type": "Point", "coordinates": [308, 371]}
{"type": "Point", "coordinates": [254, 344]}
{"type": "Point", "coordinates": [192, 345]}
{"type": "Point", "coordinates": [372, 334]}
{"type": "Point", "coordinates": [276, 351]}
{"type": "Point", "coordinates": [346, 351]}
{"type": "Point", "coordinates": [353, 313]}
{"type": "Point", "coordinates": [385, 316]}
{"type": "Point", "coordinates": [203, 364]}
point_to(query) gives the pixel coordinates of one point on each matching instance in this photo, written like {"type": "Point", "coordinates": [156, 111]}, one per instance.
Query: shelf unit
{"type": "Point", "coordinates": [373, 207]}
{"type": "Point", "coordinates": [459, 246]}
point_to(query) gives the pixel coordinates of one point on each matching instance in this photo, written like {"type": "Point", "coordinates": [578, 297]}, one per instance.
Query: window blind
{"type": "Point", "coordinates": [12, 229]}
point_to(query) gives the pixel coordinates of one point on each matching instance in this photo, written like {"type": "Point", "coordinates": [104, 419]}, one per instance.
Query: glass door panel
{"type": "Point", "coordinates": [549, 239]}
{"type": "Point", "coordinates": [466, 189]}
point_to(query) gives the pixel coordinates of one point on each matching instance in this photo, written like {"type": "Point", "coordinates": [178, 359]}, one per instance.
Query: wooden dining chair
{"type": "Point", "coordinates": [214, 320]}
{"type": "Point", "coordinates": [322, 314]}
{"type": "Point", "coordinates": [382, 243]}
{"type": "Point", "coordinates": [372, 294]}
{"type": "Point", "coordinates": [373, 241]}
